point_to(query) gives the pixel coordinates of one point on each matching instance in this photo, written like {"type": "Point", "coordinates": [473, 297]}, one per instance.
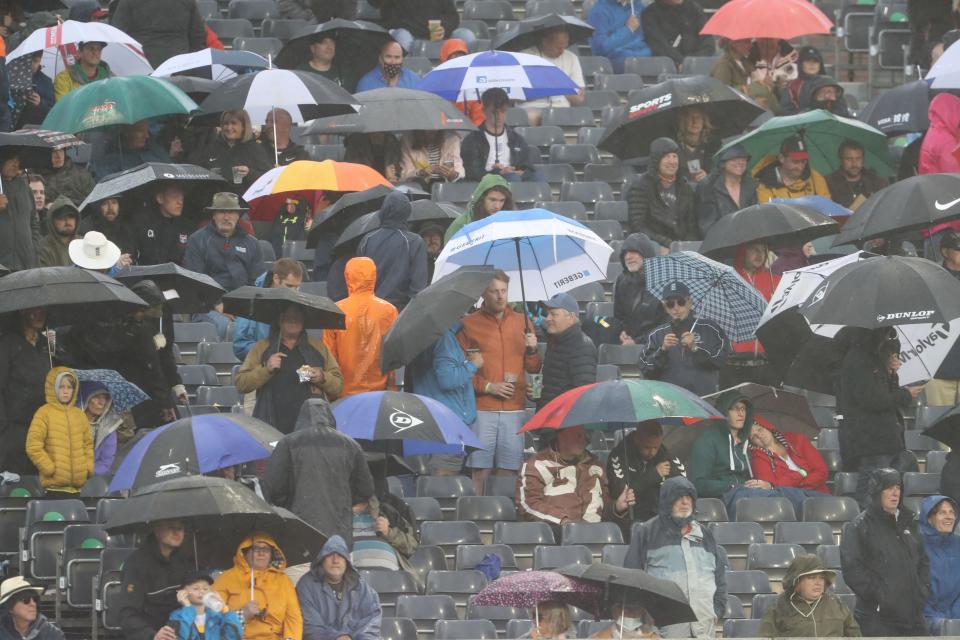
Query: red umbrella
{"type": "Point", "coordinates": [783, 19]}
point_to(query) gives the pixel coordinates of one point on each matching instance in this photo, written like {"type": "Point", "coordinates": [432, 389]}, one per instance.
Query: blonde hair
{"type": "Point", "coordinates": [242, 116]}
{"type": "Point", "coordinates": [683, 119]}
{"type": "Point", "coordinates": [554, 618]}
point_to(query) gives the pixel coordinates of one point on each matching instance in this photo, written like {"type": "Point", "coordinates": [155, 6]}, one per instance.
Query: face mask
{"type": "Point", "coordinates": [392, 70]}
{"type": "Point", "coordinates": [632, 624]}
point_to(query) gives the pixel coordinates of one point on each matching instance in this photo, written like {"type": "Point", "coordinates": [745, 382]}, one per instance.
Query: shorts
{"type": "Point", "coordinates": [445, 462]}
{"type": "Point", "coordinates": [497, 431]}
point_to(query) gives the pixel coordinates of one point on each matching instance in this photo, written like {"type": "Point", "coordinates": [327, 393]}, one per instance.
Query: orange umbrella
{"type": "Point", "coordinates": [306, 179]}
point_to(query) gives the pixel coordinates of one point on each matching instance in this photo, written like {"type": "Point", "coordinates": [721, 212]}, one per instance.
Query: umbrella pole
{"type": "Point", "coordinates": [523, 292]}
{"type": "Point", "coordinates": [626, 464]}
{"type": "Point", "coordinates": [276, 152]}
{"type": "Point", "coordinates": [623, 605]}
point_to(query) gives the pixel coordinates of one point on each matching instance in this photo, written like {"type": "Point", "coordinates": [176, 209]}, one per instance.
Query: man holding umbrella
{"type": "Point", "coordinates": [19, 226]}
{"type": "Point", "coordinates": [161, 230]}
{"type": "Point", "coordinates": [617, 32]}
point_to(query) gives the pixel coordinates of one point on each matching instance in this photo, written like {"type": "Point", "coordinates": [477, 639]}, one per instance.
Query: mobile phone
{"type": "Point", "coordinates": [693, 166]}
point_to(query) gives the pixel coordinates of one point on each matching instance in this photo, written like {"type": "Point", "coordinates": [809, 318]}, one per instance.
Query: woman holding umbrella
{"type": "Point", "coordinates": [554, 622]}
{"type": "Point", "coordinates": [235, 153]}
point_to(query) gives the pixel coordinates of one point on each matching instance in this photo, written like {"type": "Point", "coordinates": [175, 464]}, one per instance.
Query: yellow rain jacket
{"type": "Point", "coordinates": [60, 440]}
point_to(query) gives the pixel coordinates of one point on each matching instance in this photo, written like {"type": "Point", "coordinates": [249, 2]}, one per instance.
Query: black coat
{"type": "Point", "coordinates": [627, 467]}
{"type": "Point", "coordinates": [474, 151]}
{"type": "Point", "coordinates": [148, 593]}
{"type": "Point", "coordinates": [950, 477]}
{"type": "Point", "coordinates": [413, 15]}
{"type": "Point", "coordinates": [844, 193]}
{"type": "Point", "coordinates": [119, 232]}
{"type": "Point", "coordinates": [713, 201]}
{"type": "Point", "coordinates": [638, 310]}
{"type": "Point", "coordinates": [165, 28]}
{"type": "Point", "coordinates": [160, 239]}
{"type": "Point", "coordinates": [23, 370]}
{"type": "Point", "coordinates": [292, 153]}
{"type": "Point", "coordinates": [39, 629]}
{"type": "Point", "coordinates": [222, 157]}
{"type": "Point", "coordinates": [651, 215]}
{"type": "Point", "coordinates": [570, 362]}
{"type": "Point", "coordinates": [664, 23]}
{"type": "Point", "coordinates": [19, 227]}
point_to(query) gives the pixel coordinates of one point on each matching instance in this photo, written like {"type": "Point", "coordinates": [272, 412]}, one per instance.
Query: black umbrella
{"type": "Point", "coordinates": [190, 292]}
{"type": "Point", "coordinates": [653, 113]}
{"type": "Point", "coordinates": [946, 428]}
{"type": "Point", "coordinates": [899, 110]}
{"type": "Point", "coordinates": [68, 293]}
{"type": "Point", "coordinates": [774, 223]}
{"type": "Point", "coordinates": [662, 599]}
{"type": "Point", "coordinates": [431, 313]}
{"type": "Point", "coordinates": [413, 191]}
{"type": "Point", "coordinates": [345, 210]}
{"type": "Point", "coordinates": [787, 411]}
{"type": "Point", "coordinates": [422, 212]}
{"type": "Point", "coordinates": [358, 228]}
{"type": "Point", "coordinates": [386, 464]}
{"type": "Point", "coordinates": [526, 33]}
{"type": "Point", "coordinates": [395, 110]}
{"type": "Point", "coordinates": [298, 540]}
{"type": "Point", "coordinates": [152, 173]}
{"type": "Point", "coordinates": [266, 305]}
{"type": "Point", "coordinates": [915, 203]}
{"type": "Point", "coordinates": [800, 357]}
{"type": "Point", "coordinates": [34, 145]}
{"type": "Point", "coordinates": [358, 43]}
{"type": "Point", "coordinates": [196, 88]}
{"type": "Point", "coordinates": [427, 211]}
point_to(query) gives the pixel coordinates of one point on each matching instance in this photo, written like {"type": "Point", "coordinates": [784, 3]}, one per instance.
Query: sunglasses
{"type": "Point", "coordinates": [670, 303]}
{"type": "Point", "coordinates": [27, 598]}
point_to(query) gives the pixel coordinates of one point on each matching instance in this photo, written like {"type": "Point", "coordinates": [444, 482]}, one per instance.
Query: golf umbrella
{"type": "Point", "coordinates": [718, 292]}
{"type": "Point", "coordinates": [946, 428]}
{"type": "Point", "coordinates": [184, 291]}
{"type": "Point", "coordinates": [387, 464]}
{"type": "Point", "coordinates": [899, 110]}
{"type": "Point", "coordinates": [34, 145]}
{"type": "Point", "coordinates": [821, 205]}
{"type": "Point", "coordinates": [306, 179]}
{"type": "Point", "coordinates": [117, 101]}
{"type": "Point", "coordinates": [543, 253]}
{"type": "Point", "coordinates": [345, 210]}
{"type": "Point", "coordinates": [358, 43]}
{"type": "Point", "coordinates": [527, 33]}
{"type": "Point", "coordinates": [776, 224]}
{"type": "Point", "coordinates": [69, 294]}
{"type": "Point", "coordinates": [786, 410]}
{"type": "Point", "coordinates": [394, 110]}
{"type": "Point", "coordinates": [945, 72]}
{"type": "Point", "coordinates": [431, 314]}
{"type": "Point", "coordinates": [526, 589]}
{"type": "Point", "coordinates": [212, 64]}
{"type": "Point", "coordinates": [422, 424]}
{"type": "Point", "coordinates": [267, 305]}
{"type": "Point", "coordinates": [521, 75]}
{"type": "Point", "coordinates": [196, 88]}
{"type": "Point", "coordinates": [652, 113]}
{"type": "Point", "coordinates": [783, 20]}
{"type": "Point", "coordinates": [358, 228]}
{"type": "Point", "coordinates": [195, 446]}
{"type": "Point", "coordinates": [299, 541]}
{"type": "Point", "coordinates": [60, 47]}
{"type": "Point", "coordinates": [124, 395]}
{"type": "Point", "coordinates": [152, 174]}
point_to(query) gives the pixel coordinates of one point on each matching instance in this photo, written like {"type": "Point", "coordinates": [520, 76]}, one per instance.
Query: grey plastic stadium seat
{"type": "Point", "coordinates": [465, 630]}
{"type": "Point", "coordinates": [469, 556]}
{"type": "Point", "coordinates": [807, 534]}
{"type": "Point", "coordinates": [397, 629]}
{"type": "Point", "coordinates": [426, 610]}
{"type": "Point", "coordinates": [546, 557]}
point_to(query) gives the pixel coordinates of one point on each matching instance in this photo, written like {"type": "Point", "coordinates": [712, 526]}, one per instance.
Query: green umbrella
{"type": "Point", "coordinates": [823, 132]}
{"type": "Point", "coordinates": [115, 101]}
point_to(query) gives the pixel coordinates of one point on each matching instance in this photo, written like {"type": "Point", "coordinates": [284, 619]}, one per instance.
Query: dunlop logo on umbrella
{"type": "Point", "coordinates": [907, 316]}
{"type": "Point", "coordinates": [401, 421]}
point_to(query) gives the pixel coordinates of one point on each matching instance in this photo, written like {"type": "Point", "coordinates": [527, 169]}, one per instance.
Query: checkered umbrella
{"type": "Point", "coordinates": [719, 293]}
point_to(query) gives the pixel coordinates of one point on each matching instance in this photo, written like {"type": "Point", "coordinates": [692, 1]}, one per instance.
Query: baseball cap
{"type": "Point", "coordinates": [562, 301]}
{"type": "Point", "coordinates": [950, 240]}
{"type": "Point", "coordinates": [795, 148]}
{"type": "Point", "coordinates": [676, 289]}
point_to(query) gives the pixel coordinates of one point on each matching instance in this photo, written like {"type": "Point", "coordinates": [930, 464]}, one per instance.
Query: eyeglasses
{"type": "Point", "coordinates": [670, 303]}
{"type": "Point", "coordinates": [27, 598]}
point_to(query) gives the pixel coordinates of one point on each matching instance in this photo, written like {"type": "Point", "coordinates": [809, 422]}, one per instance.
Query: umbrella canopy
{"type": "Point", "coordinates": [822, 205]}
{"type": "Point", "coordinates": [422, 212]}
{"type": "Point", "coordinates": [152, 173]}
{"type": "Point", "coordinates": [543, 253]}
{"type": "Point", "coordinates": [306, 178]}
{"type": "Point", "coordinates": [117, 101]}
{"type": "Point", "coordinates": [783, 20]}
{"type": "Point", "coordinates": [68, 293]}
{"type": "Point", "coordinates": [34, 145]}
{"type": "Point", "coordinates": [907, 205]}
{"type": "Point", "coordinates": [185, 291]}
{"type": "Point", "coordinates": [395, 110]}
{"type": "Point", "coordinates": [786, 410]}
{"type": "Point", "coordinates": [945, 73]}
{"type": "Point", "coordinates": [652, 113]}
{"type": "Point", "coordinates": [299, 541]}
{"type": "Point", "coordinates": [196, 88]}
{"type": "Point", "coordinates": [194, 446]}
{"type": "Point", "coordinates": [527, 33]}
{"type": "Point", "coordinates": [946, 428]}
{"type": "Point", "coordinates": [521, 75]}
{"type": "Point", "coordinates": [899, 110]}
{"type": "Point", "coordinates": [823, 132]}
{"type": "Point", "coordinates": [267, 305]}
{"type": "Point", "coordinates": [358, 43]}
{"type": "Point", "coordinates": [421, 423]}
{"type": "Point", "coordinates": [718, 291]}
{"type": "Point", "coordinates": [345, 210]}
{"type": "Point", "coordinates": [775, 224]}
{"type": "Point", "coordinates": [433, 311]}
{"type": "Point", "coordinates": [124, 395]}
{"type": "Point", "coordinates": [212, 64]}
{"type": "Point", "coordinates": [526, 589]}
{"type": "Point", "coordinates": [387, 464]}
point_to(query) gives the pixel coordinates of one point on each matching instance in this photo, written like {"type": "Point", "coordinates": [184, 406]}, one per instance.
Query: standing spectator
{"type": "Point", "coordinates": [675, 547]}
{"type": "Point", "coordinates": [368, 318]}
{"type": "Point", "coordinates": [616, 32]}
{"type": "Point", "coordinates": [399, 254]}
{"type": "Point", "coordinates": [285, 273]}
{"type": "Point", "coordinates": [134, 146]}
{"type": "Point", "coordinates": [553, 46]}
{"type": "Point", "coordinates": [31, 89]}
{"type": "Point", "coordinates": [95, 400]}
{"type": "Point", "coordinates": [417, 19]}
{"type": "Point", "coordinates": [454, 48]}
{"type": "Point", "coordinates": [789, 175]}
{"type": "Point", "coordinates": [19, 225]}
{"type": "Point", "coordinates": [944, 390]}
{"type": "Point", "coordinates": [660, 201]}
{"type": "Point", "coordinates": [728, 188]}
{"type": "Point", "coordinates": [432, 235]}
{"type": "Point", "coordinates": [695, 143]}
{"type": "Point", "coordinates": [389, 71]}
{"type": "Point", "coordinates": [491, 195]}
{"type": "Point", "coordinates": [161, 229]}
{"type": "Point", "coordinates": [508, 346]}
{"type": "Point", "coordinates": [734, 67]}
{"type": "Point", "coordinates": [62, 221]}
{"type": "Point", "coordinates": [291, 224]}
{"type": "Point", "coordinates": [929, 21]}
{"type": "Point", "coordinates": [943, 136]}
{"type": "Point", "coordinates": [318, 472]}
{"type": "Point", "coordinates": [430, 156]}
{"type": "Point", "coordinates": [67, 178]}
{"type": "Point", "coordinates": [851, 184]}
{"type": "Point", "coordinates": [885, 563]}
{"type": "Point", "coordinates": [234, 154]}
{"type": "Point", "coordinates": [165, 28]}
{"type": "Point", "coordinates": [571, 357]}
{"type": "Point", "coordinates": [105, 217]}
{"type": "Point", "coordinates": [748, 363]}
{"type": "Point", "coordinates": [496, 147]}
{"type": "Point", "coordinates": [786, 459]}
{"type": "Point", "coordinates": [637, 311]}
{"type": "Point", "coordinates": [672, 29]}
{"type": "Point", "coordinates": [275, 139]}
{"type": "Point", "coordinates": [938, 520]}
{"type": "Point", "coordinates": [88, 68]}
{"type": "Point", "coordinates": [38, 187]}
{"type": "Point", "coordinates": [222, 249]}
{"type": "Point", "coordinates": [21, 617]}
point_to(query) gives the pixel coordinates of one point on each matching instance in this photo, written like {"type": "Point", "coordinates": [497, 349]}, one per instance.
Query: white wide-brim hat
{"type": "Point", "coordinates": [94, 251]}
{"type": "Point", "coordinates": [14, 586]}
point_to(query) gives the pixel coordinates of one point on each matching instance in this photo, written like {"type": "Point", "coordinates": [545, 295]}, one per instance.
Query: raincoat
{"type": "Point", "coordinates": [638, 310]}
{"type": "Point", "coordinates": [943, 550]}
{"type": "Point", "coordinates": [271, 589]}
{"type": "Point", "coordinates": [776, 471]}
{"type": "Point", "coordinates": [368, 318]}
{"type": "Point", "coordinates": [51, 252]}
{"type": "Point", "coordinates": [104, 428]}
{"type": "Point", "coordinates": [39, 629]}
{"type": "Point", "coordinates": [486, 183]}
{"type": "Point", "coordinates": [940, 143]}
{"type": "Point", "coordinates": [611, 36]}
{"type": "Point", "coordinates": [770, 183]}
{"type": "Point", "coordinates": [717, 463]}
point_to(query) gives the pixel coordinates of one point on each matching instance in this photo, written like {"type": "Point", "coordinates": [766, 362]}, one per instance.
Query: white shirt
{"type": "Point", "coordinates": [569, 63]}
{"type": "Point", "coordinates": [499, 149]}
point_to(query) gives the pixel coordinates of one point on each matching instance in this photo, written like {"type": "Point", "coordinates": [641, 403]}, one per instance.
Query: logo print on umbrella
{"type": "Point", "coordinates": [167, 470]}
{"type": "Point", "coordinates": [401, 420]}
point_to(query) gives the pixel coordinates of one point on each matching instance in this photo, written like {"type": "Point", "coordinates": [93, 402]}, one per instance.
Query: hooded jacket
{"type": "Point", "coordinates": [60, 442]}
{"type": "Point", "coordinates": [943, 551]}
{"type": "Point", "coordinates": [368, 318]}
{"type": "Point", "coordinates": [487, 182]}
{"type": "Point", "coordinates": [271, 588]}
{"type": "Point", "coordinates": [119, 232]}
{"type": "Point", "coordinates": [148, 588]}
{"type": "Point", "coordinates": [355, 612]}
{"type": "Point", "coordinates": [569, 362]}
{"type": "Point", "coordinates": [717, 463]}
{"type": "Point", "coordinates": [943, 136]}
{"type": "Point", "coordinates": [765, 282]}
{"type": "Point", "coordinates": [23, 369]}
{"type": "Point", "coordinates": [19, 227]}
{"type": "Point", "coordinates": [475, 149]}
{"type": "Point", "coordinates": [51, 252]}
{"type": "Point", "coordinates": [104, 428]}
{"type": "Point", "coordinates": [713, 201]}
{"type": "Point", "coordinates": [638, 310]}
{"type": "Point", "coordinates": [697, 370]}
{"type": "Point", "coordinates": [791, 99]}
{"type": "Point", "coordinates": [806, 100]}
{"type": "Point", "coordinates": [770, 183]}
{"type": "Point", "coordinates": [74, 77]}
{"type": "Point", "coordinates": [233, 262]}
{"type": "Point", "coordinates": [318, 472]}
{"type": "Point", "coordinates": [399, 254]}
{"type": "Point", "coordinates": [70, 180]}
{"type": "Point", "coordinates": [551, 489]}
{"type": "Point", "coordinates": [674, 30]}
{"type": "Point", "coordinates": [773, 469]}
{"type": "Point", "coordinates": [648, 213]}
{"type": "Point", "coordinates": [39, 629]}
{"type": "Point", "coordinates": [217, 625]}
{"type": "Point", "coordinates": [165, 28]}
{"type": "Point", "coordinates": [442, 372]}
{"type": "Point", "coordinates": [626, 467]}
{"type": "Point", "coordinates": [611, 36]}
{"type": "Point", "coordinates": [794, 617]}
{"type": "Point", "coordinates": [683, 551]}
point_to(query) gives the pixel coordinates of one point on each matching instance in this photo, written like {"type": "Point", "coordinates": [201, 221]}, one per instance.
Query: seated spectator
{"type": "Point", "coordinates": [222, 249]}
{"type": "Point", "coordinates": [553, 620]}
{"type": "Point", "coordinates": [430, 156]}
{"type": "Point", "coordinates": [786, 459]}
{"type": "Point", "coordinates": [672, 29]}
{"type": "Point", "coordinates": [379, 543]}
{"type": "Point", "coordinates": [491, 195]}
{"type": "Point", "coordinates": [728, 188]}
{"type": "Point", "coordinates": [688, 351]}
{"type": "Point", "coordinates": [454, 48]}
{"type": "Point", "coordinates": [131, 148]}
{"type": "Point", "coordinates": [277, 127]}
{"type": "Point", "coordinates": [323, 61]}
{"type": "Point", "coordinates": [379, 151]}
{"type": "Point", "coordinates": [257, 587]}
{"type": "Point", "coordinates": [203, 613]}
{"type": "Point", "coordinates": [571, 357]}
{"type": "Point", "coordinates": [789, 174]}
{"type": "Point", "coordinates": [496, 147]}
{"type": "Point", "coordinates": [823, 92]}
{"type": "Point", "coordinates": [96, 401]}
{"type": "Point", "coordinates": [696, 146]}
{"type": "Point", "coordinates": [630, 619]}
{"type": "Point", "coordinates": [62, 220]}
{"type": "Point", "coordinates": [235, 154]}
{"type": "Point", "coordinates": [161, 228]}
{"type": "Point", "coordinates": [390, 71]}
{"type": "Point", "coordinates": [20, 615]}
{"type": "Point", "coordinates": [88, 68]}
{"type": "Point", "coordinates": [66, 178]}
{"type": "Point", "coordinates": [313, 11]}
{"type": "Point", "coordinates": [637, 311]}
{"type": "Point", "coordinates": [421, 19]}
{"type": "Point", "coordinates": [660, 204]}
{"type": "Point", "coordinates": [32, 91]}
{"type": "Point", "coordinates": [938, 520]}
{"type": "Point", "coordinates": [734, 66]}
{"type": "Point", "coordinates": [554, 47]}
{"type": "Point", "coordinates": [286, 273]}
{"type": "Point", "coordinates": [747, 362]}
{"type": "Point", "coordinates": [616, 32]}
{"type": "Point", "coordinates": [851, 184]}
{"type": "Point", "coordinates": [806, 608]}
{"type": "Point", "coordinates": [336, 600]}
{"type": "Point", "coordinates": [104, 216]}
{"type": "Point", "coordinates": [809, 66]}
{"type": "Point", "coordinates": [38, 187]}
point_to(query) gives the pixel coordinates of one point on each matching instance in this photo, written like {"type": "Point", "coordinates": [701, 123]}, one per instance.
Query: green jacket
{"type": "Point", "coordinates": [70, 180]}
{"type": "Point", "coordinates": [51, 252]}
{"type": "Point", "coordinates": [716, 463]}
{"type": "Point", "coordinates": [486, 183]}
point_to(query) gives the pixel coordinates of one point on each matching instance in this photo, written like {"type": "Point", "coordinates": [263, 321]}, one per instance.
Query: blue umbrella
{"type": "Point", "coordinates": [422, 424]}
{"type": "Point", "coordinates": [822, 205]}
{"type": "Point", "coordinates": [124, 395]}
{"type": "Point", "coordinates": [521, 75]}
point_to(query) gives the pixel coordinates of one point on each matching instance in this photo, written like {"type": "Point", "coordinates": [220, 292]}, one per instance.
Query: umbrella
{"type": "Point", "coordinates": [542, 252]}
{"type": "Point", "coordinates": [194, 446]}
{"type": "Point", "coordinates": [526, 589]}
{"type": "Point", "coordinates": [526, 33]}
{"type": "Point", "coordinates": [151, 173]}
{"type": "Point", "coordinates": [395, 110]}
{"type": "Point", "coordinates": [117, 101]}
{"type": "Point", "coordinates": [124, 395]}
{"type": "Point", "coordinates": [305, 179]}
{"type": "Point", "coordinates": [196, 88]}
{"type": "Point", "coordinates": [68, 293]}
{"type": "Point", "coordinates": [212, 64]}
{"type": "Point", "coordinates": [719, 293]}
{"type": "Point", "coordinates": [422, 212]}
{"type": "Point", "coordinates": [945, 73]}
{"type": "Point", "coordinates": [822, 205]}
{"type": "Point", "coordinates": [358, 228]}
{"type": "Point", "coordinates": [266, 305]}
{"type": "Point", "coordinates": [823, 132]}
{"type": "Point", "coordinates": [786, 410]}
{"type": "Point", "coordinates": [387, 464]}
{"type": "Point", "coordinates": [185, 291]}
{"type": "Point", "coordinates": [899, 110]}
{"type": "Point", "coordinates": [299, 541]}
{"type": "Point", "coordinates": [783, 20]}
{"type": "Point", "coordinates": [652, 113]}
{"type": "Point", "coordinates": [915, 203]}
{"type": "Point", "coordinates": [946, 428]}
{"type": "Point", "coordinates": [663, 599]}
{"type": "Point", "coordinates": [358, 43]}
{"type": "Point", "coordinates": [421, 423]}
{"type": "Point", "coordinates": [345, 210]}
{"type": "Point", "coordinates": [776, 224]}
{"type": "Point", "coordinates": [521, 75]}
{"type": "Point", "coordinates": [431, 314]}
{"type": "Point", "coordinates": [35, 145]}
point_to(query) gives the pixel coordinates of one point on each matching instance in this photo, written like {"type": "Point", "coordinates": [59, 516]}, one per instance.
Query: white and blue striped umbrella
{"type": "Point", "coordinates": [521, 75]}
{"type": "Point", "coordinates": [543, 253]}
{"type": "Point", "coordinates": [212, 63]}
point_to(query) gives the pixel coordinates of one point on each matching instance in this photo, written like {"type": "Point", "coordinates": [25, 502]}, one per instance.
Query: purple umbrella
{"type": "Point", "coordinates": [524, 589]}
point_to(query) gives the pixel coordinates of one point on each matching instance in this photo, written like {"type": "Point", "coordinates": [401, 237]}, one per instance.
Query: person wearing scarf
{"type": "Point", "coordinates": [786, 459]}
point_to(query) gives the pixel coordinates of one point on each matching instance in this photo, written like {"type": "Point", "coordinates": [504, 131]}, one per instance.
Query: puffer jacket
{"type": "Point", "coordinates": [551, 489]}
{"type": "Point", "coordinates": [638, 310]}
{"type": "Point", "coordinates": [943, 550]}
{"type": "Point", "coordinates": [486, 183]}
{"type": "Point", "coordinates": [39, 629]}
{"type": "Point", "coordinates": [399, 254]}
{"type": "Point", "coordinates": [770, 183]}
{"type": "Point", "coordinates": [368, 318]}
{"type": "Point", "coordinates": [354, 613]}
{"type": "Point", "coordinates": [717, 463]}
{"type": "Point", "coordinates": [713, 201]}
{"type": "Point", "coordinates": [684, 552]}
{"type": "Point", "coordinates": [648, 213]}
{"type": "Point", "coordinates": [697, 371]}
{"type": "Point", "coordinates": [570, 362]}
{"type": "Point", "coordinates": [19, 227]}
{"type": "Point", "coordinates": [60, 442]}
{"type": "Point", "coordinates": [165, 28]}
{"type": "Point", "coordinates": [271, 589]}
{"type": "Point", "coordinates": [51, 252]}
{"type": "Point", "coordinates": [233, 262]}
{"type": "Point", "coordinates": [70, 180]}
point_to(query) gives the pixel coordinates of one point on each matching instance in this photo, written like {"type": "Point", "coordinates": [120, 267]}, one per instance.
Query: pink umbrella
{"type": "Point", "coordinates": [524, 589]}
